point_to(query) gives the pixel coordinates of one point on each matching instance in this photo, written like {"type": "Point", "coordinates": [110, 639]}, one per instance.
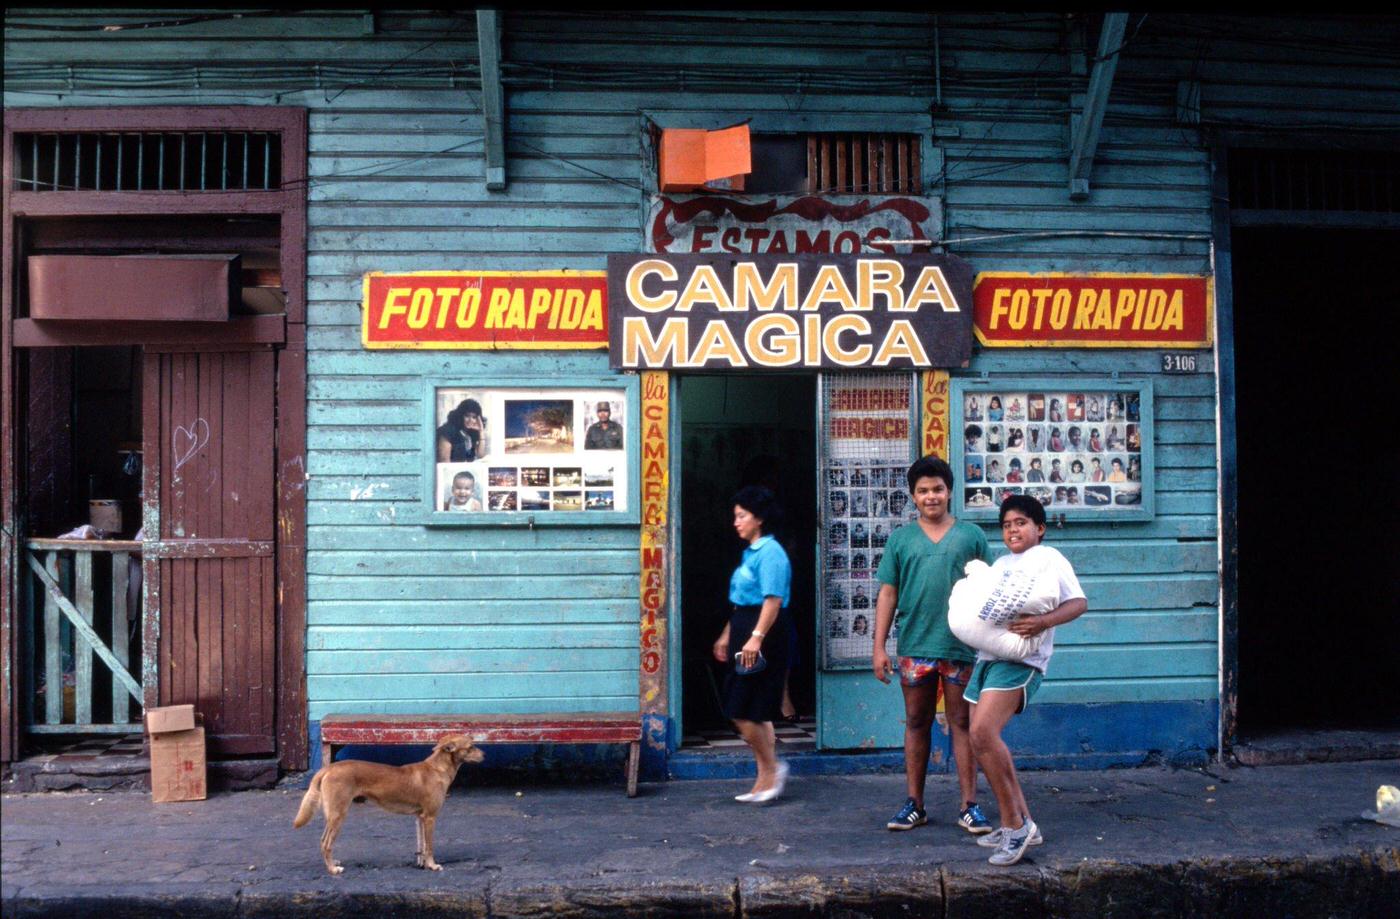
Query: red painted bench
{"type": "Point", "coordinates": [570, 728]}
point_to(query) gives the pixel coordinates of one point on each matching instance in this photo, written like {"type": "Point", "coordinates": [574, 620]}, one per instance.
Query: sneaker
{"type": "Point", "coordinates": [993, 839]}
{"type": "Point", "coordinates": [974, 821]}
{"type": "Point", "coordinates": [909, 816]}
{"type": "Point", "coordinates": [1013, 845]}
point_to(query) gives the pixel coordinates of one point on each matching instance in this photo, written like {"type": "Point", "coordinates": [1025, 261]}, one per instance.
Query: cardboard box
{"type": "Point", "coordinates": [178, 765]}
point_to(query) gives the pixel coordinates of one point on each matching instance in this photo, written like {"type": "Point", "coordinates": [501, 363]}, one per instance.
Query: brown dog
{"type": "Point", "coordinates": [418, 789]}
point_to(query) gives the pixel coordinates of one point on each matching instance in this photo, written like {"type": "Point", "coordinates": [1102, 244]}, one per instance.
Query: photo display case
{"type": "Point", "coordinates": [869, 432]}
{"type": "Point", "coordinates": [531, 454]}
{"type": "Point", "coordinates": [1082, 447]}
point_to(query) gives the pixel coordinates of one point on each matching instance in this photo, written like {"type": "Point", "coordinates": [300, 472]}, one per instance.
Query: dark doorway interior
{"type": "Point", "coordinates": [1315, 346]}
{"type": "Point", "coordinates": [737, 430]}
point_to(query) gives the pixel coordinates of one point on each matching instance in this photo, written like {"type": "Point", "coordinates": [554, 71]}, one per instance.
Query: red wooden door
{"type": "Point", "coordinates": [212, 417]}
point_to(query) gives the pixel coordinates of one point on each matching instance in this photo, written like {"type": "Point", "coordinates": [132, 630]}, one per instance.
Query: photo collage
{"type": "Point", "coordinates": [864, 504]}
{"type": "Point", "coordinates": [1071, 449]}
{"type": "Point", "coordinates": [505, 450]}
{"type": "Point", "coordinates": [865, 499]}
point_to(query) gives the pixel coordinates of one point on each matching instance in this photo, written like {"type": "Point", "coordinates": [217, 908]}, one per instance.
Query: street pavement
{"type": "Point", "coordinates": [1272, 841]}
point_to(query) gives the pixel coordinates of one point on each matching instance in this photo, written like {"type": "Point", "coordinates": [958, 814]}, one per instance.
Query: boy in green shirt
{"type": "Point", "coordinates": [922, 562]}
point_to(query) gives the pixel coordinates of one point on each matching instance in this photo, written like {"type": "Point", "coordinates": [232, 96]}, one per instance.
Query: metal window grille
{"type": "Point", "coordinates": [863, 164]}
{"type": "Point", "coordinates": [1315, 180]}
{"type": "Point", "coordinates": [868, 438]}
{"type": "Point", "coordinates": [123, 161]}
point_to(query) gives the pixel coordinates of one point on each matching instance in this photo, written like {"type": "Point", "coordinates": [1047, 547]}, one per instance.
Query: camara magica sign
{"type": "Point", "coordinates": [708, 312]}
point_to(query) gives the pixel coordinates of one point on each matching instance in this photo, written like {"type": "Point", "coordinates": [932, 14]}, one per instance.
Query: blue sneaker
{"type": "Point", "coordinates": [1013, 845]}
{"type": "Point", "coordinates": [974, 821]}
{"type": "Point", "coordinates": [909, 816]}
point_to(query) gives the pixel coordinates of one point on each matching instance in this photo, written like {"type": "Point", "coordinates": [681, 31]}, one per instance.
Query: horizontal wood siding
{"type": "Point", "coordinates": [408, 619]}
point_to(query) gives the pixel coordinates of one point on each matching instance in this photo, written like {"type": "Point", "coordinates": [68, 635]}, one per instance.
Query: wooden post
{"type": "Point", "coordinates": [121, 702]}
{"type": "Point", "coordinates": [53, 653]}
{"type": "Point", "coordinates": [82, 651]}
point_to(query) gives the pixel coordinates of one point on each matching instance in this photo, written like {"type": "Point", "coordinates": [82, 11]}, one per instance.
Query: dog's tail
{"type": "Point", "coordinates": [310, 801]}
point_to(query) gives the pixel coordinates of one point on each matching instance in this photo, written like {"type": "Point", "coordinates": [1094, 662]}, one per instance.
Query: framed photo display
{"type": "Point", "coordinates": [868, 436]}
{"type": "Point", "coordinates": [512, 454]}
{"type": "Point", "coordinates": [1082, 447]}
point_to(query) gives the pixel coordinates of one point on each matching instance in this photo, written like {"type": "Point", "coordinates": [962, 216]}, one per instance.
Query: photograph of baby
{"type": "Point", "coordinates": [462, 493]}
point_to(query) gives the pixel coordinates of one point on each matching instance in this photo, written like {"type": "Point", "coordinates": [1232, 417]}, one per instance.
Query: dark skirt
{"type": "Point", "coordinates": [758, 696]}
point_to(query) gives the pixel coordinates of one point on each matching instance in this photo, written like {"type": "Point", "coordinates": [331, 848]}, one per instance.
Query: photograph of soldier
{"type": "Point", "coordinates": [605, 433]}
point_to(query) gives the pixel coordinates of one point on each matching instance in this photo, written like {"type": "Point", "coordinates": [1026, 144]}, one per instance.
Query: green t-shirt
{"type": "Point", "coordinates": [924, 572]}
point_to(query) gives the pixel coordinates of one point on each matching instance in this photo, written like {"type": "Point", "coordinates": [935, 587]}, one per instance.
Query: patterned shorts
{"type": "Point", "coordinates": [918, 671]}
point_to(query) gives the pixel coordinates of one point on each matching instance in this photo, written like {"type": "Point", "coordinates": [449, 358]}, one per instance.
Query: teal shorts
{"type": "Point", "coordinates": [1003, 676]}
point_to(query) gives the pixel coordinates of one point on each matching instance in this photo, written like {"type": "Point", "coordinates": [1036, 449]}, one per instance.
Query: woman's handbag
{"type": "Point", "coordinates": [759, 663]}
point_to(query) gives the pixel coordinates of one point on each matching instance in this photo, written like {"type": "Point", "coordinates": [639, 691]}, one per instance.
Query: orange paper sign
{"type": "Point", "coordinates": [486, 309]}
{"type": "Point", "coordinates": [1093, 310]}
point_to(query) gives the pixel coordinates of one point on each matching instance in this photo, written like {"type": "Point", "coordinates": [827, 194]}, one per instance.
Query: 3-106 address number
{"type": "Point", "coordinates": [1179, 362]}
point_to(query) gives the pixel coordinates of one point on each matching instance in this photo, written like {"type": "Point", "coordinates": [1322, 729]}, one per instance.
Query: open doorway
{"type": "Point", "coordinates": [737, 430]}
{"type": "Point", "coordinates": [81, 435]}
{"type": "Point", "coordinates": [1314, 366]}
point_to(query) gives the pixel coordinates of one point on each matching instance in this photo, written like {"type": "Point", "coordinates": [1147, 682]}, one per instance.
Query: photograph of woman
{"type": "Point", "coordinates": [1057, 441]}
{"type": "Point", "coordinates": [1115, 438]}
{"type": "Point", "coordinates": [1057, 474]}
{"type": "Point", "coordinates": [1095, 441]}
{"type": "Point", "coordinates": [756, 641]}
{"type": "Point", "coordinates": [1096, 473]}
{"type": "Point", "coordinates": [1076, 471]}
{"type": "Point", "coordinates": [460, 437]}
{"type": "Point", "coordinates": [994, 412]}
{"type": "Point", "coordinates": [1057, 411]}
{"type": "Point", "coordinates": [1015, 440]}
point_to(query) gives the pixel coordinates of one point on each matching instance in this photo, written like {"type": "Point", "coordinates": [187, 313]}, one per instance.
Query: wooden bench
{"type": "Point", "coordinates": [568, 728]}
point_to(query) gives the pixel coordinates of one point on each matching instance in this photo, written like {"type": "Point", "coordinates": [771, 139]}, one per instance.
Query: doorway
{"type": "Point", "coordinates": [737, 430]}
{"type": "Point", "coordinates": [1314, 364]}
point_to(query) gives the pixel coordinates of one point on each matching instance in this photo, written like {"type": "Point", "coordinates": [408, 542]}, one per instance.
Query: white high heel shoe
{"type": "Point", "coordinates": [746, 797]}
{"type": "Point", "coordinates": [772, 794]}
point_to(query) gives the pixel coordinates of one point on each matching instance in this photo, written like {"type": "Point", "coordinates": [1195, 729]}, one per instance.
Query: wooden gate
{"type": "Point", "coordinates": [212, 572]}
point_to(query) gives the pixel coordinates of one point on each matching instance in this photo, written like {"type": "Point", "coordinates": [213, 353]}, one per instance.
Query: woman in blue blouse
{"type": "Point", "coordinates": [760, 629]}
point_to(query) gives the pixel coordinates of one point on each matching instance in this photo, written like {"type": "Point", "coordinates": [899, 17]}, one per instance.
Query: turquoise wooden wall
{"type": "Point", "coordinates": [397, 185]}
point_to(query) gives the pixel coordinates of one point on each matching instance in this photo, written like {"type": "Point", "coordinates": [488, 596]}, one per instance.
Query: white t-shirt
{"type": "Point", "coordinates": [1022, 570]}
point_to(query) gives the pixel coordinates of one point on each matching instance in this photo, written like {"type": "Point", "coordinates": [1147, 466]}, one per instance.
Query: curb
{"type": "Point", "coordinates": [1360, 884]}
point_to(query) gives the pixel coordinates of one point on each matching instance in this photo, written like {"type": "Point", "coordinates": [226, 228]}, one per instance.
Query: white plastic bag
{"type": "Point", "coordinates": [983, 603]}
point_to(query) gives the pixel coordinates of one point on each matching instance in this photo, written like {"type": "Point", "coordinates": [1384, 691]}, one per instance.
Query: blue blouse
{"type": "Point", "coordinates": [764, 571]}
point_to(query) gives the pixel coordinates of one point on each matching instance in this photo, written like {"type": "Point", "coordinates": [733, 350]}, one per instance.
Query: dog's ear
{"type": "Point", "coordinates": [447, 746]}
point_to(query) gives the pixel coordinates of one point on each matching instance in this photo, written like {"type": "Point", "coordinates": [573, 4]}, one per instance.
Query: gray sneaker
{"type": "Point", "coordinates": [993, 839]}
{"type": "Point", "coordinates": [1013, 845]}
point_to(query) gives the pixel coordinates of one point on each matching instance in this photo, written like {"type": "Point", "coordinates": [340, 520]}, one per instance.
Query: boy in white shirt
{"type": "Point", "coordinates": [999, 689]}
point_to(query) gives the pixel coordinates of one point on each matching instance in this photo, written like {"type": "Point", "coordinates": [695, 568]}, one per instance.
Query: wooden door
{"type": "Point", "coordinates": [210, 429]}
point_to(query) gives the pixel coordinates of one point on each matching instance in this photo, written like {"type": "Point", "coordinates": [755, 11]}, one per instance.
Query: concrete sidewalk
{"type": "Point", "coordinates": [1267, 841]}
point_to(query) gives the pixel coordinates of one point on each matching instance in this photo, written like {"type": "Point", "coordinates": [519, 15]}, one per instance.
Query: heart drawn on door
{"type": "Point", "coordinates": [189, 441]}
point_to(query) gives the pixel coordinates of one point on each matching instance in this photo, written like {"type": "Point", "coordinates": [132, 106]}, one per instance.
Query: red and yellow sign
{"type": "Point", "coordinates": [486, 309]}
{"type": "Point", "coordinates": [1093, 310]}
{"type": "Point", "coordinates": [935, 413]}
{"type": "Point", "coordinates": [656, 459]}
